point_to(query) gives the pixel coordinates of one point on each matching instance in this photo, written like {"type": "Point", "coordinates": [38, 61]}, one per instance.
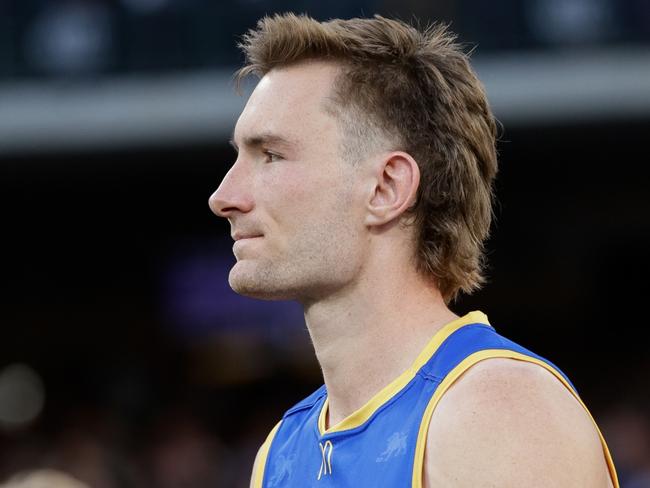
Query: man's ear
{"type": "Point", "coordinates": [397, 178]}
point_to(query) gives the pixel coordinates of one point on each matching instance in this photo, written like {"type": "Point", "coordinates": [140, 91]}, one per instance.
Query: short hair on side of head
{"type": "Point", "coordinates": [416, 89]}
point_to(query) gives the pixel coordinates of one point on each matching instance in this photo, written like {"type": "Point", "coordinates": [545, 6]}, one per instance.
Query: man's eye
{"type": "Point", "coordinates": [271, 157]}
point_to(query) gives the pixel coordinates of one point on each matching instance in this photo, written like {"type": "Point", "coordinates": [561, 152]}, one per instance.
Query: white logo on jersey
{"type": "Point", "coordinates": [326, 452]}
{"type": "Point", "coordinates": [282, 469]}
{"type": "Point", "coordinates": [396, 447]}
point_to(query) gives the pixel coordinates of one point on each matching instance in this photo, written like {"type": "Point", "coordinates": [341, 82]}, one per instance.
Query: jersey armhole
{"type": "Point", "coordinates": [454, 374]}
{"type": "Point", "coordinates": [258, 476]}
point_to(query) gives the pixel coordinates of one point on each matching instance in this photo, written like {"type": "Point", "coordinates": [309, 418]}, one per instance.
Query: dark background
{"type": "Point", "coordinates": [148, 371]}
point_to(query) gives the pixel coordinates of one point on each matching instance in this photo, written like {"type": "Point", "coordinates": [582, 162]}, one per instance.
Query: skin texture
{"type": "Point", "coordinates": [331, 234]}
{"type": "Point", "coordinates": [506, 424]}
{"type": "Point", "coordinates": [305, 249]}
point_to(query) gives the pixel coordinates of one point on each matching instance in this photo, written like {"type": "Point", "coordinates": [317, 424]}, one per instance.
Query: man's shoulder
{"type": "Point", "coordinates": [509, 422]}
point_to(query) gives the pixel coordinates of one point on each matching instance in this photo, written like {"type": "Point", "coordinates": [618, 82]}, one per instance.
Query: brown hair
{"type": "Point", "coordinates": [415, 88]}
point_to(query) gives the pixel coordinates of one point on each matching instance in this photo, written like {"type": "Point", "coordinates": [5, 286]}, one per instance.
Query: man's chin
{"type": "Point", "coordinates": [260, 287]}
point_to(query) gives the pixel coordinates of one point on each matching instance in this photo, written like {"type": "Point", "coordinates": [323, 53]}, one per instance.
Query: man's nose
{"type": "Point", "coordinates": [233, 194]}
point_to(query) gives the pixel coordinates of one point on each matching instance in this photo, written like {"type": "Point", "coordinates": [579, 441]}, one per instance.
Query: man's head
{"type": "Point", "coordinates": [385, 93]}
{"type": "Point", "coordinates": [288, 196]}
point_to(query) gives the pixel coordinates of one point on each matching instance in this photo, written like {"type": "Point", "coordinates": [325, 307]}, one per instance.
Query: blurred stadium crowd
{"type": "Point", "coordinates": [126, 361]}
{"type": "Point", "coordinates": [76, 38]}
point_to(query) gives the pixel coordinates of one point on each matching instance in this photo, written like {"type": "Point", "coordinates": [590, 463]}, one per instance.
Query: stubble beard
{"type": "Point", "coordinates": [307, 276]}
{"type": "Point", "coordinates": [258, 280]}
{"type": "Point", "coordinates": [322, 261]}
{"type": "Point", "coordinates": [295, 280]}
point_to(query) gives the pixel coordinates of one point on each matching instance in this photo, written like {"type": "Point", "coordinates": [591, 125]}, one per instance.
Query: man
{"type": "Point", "coordinates": [363, 188]}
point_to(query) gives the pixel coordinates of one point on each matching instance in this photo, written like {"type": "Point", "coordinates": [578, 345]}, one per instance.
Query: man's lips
{"type": "Point", "coordinates": [240, 236]}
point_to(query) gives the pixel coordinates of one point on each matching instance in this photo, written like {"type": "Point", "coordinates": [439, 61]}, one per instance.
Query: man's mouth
{"type": "Point", "coordinates": [241, 236]}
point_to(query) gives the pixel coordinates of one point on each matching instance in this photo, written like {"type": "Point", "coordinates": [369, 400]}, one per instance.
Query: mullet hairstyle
{"type": "Point", "coordinates": [414, 89]}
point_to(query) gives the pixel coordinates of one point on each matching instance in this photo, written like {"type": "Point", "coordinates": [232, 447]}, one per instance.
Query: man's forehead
{"type": "Point", "coordinates": [311, 73]}
{"type": "Point", "coordinates": [292, 99]}
{"type": "Point", "coordinates": [304, 85]}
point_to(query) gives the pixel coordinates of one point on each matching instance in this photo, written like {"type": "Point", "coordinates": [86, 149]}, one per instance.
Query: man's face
{"type": "Point", "coordinates": [293, 203]}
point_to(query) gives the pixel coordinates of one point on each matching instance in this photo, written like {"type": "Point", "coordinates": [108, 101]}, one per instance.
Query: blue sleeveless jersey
{"type": "Point", "coordinates": [382, 444]}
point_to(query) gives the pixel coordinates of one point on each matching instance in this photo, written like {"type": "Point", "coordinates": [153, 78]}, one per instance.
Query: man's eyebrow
{"type": "Point", "coordinates": [263, 139]}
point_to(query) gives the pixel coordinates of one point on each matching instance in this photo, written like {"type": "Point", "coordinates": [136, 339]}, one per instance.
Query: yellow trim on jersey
{"type": "Point", "coordinates": [364, 413]}
{"type": "Point", "coordinates": [262, 457]}
{"type": "Point", "coordinates": [451, 378]}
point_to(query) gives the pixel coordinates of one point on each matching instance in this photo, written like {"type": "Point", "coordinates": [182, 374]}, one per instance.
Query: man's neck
{"type": "Point", "coordinates": [369, 335]}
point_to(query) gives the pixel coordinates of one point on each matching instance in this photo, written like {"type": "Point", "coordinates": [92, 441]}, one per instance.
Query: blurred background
{"type": "Point", "coordinates": [125, 359]}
